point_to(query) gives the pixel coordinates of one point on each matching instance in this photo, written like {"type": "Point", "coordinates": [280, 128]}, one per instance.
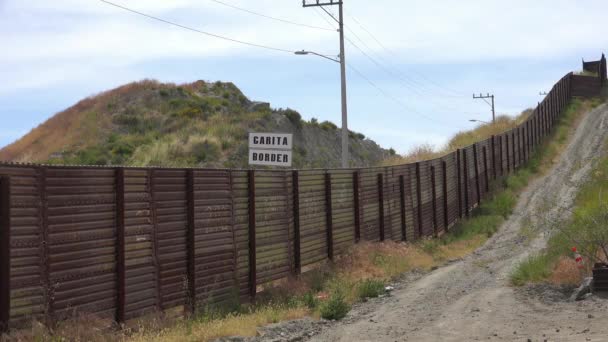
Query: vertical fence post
{"type": "Point", "coordinates": [48, 288]}
{"type": "Point", "coordinates": [328, 217]}
{"type": "Point", "coordinates": [402, 206]}
{"type": "Point", "coordinates": [419, 199]}
{"type": "Point", "coordinates": [538, 125]}
{"type": "Point", "coordinates": [526, 129]}
{"type": "Point", "coordinates": [541, 124]}
{"type": "Point", "coordinates": [381, 205]}
{"type": "Point", "coordinates": [5, 253]}
{"type": "Point", "coordinates": [513, 148]}
{"type": "Point", "coordinates": [485, 168]}
{"type": "Point", "coordinates": [476, 164]}
{"type": "Point", "coordinates": [518, 135]}
{"type": "Point", "coordinates": [296, 221]}
{"type": "Point", "coordinates": [466, 183]}
{"type": "Point", "coordinates": [507, 150]}
{"type": "Point", "coordinates": [357, 206]}
{"type": "Point", "coordinates": [493, 157]}
{"type": "Point", "coordinates": [252, 243]}
{"type": "Point", "coordinates": [446, 219]}
{"type": "Point", "coordinates": [534, 126]}
{"type": "Point", "coordinates": [542, 120]}
{"type": "Point", "coordinates": [155, 240]}
{"type": "Point", "coordinates": [434, 200]}
{"type": "Point", "coordinates": [520, 141]}
{"type": "Point", "coordinates": [546, 117]}
{"type": "Point", "coordinates": [501, 155]}
{"type": "Point", "coordinates": [553, 104]}
{"type": "Point", "coordinates": [120, 244]}
{"type": "Point", "coordinates": [191, 240]}
{"type": "Point", "coordinates": [458, 182]}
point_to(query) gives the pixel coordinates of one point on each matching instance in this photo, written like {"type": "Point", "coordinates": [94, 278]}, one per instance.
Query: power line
{"type": "Point", "coordinates": [410, 84]}
{"type": "Point", "coordinates": [197, 30]}
{"type": "Point", "coordinates": [436, 84]}
{"type": "Point", "coordinates": [411, 87]}
{"type": "Point", "coordinates": [323, 17]}
{"type": "Point", "coordinates": [396, 100]}
{"type": "Point", "coordinates": [269, 17]}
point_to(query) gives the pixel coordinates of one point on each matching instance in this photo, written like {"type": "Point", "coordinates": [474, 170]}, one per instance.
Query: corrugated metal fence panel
{"type": "Point", "coordinates": [272, 226]}
{"type": "Point", "coordinates": [452, 185]}
{"type": "Point", "coordinates": [469, 174]}
{"type": "Point", "coordinates": [170, 213]}
{"type": "Point", "coordinates": [290, 219]}
{"type": "Point", "coordinates": [411, 202]}
{"type": "Point", "coordinates": [426, 198]}
{"type": "Point", "coordinates": [585, 86]}
{"type": "Point", "coordinates": [482, 164]}
{"type": "Point", "coordinates": [313, 224]}
{"type": "Point", "coordinates": [343, 209]}
{"type": "Point", "coordinates": [501, 164]}
{"type": "Point", "coordinates": [392, 196]}
{"type": "Point", "coordinates": [241, 230]}
{"type": "Point", "coordinates": [214, 243]}
{"type": "Point", "coordinates": [141, 284]}
{"type": "Point", "coordinates": [81, 212]}
{"type": "Point", "coordinates": [26, 289]}
{"type": "Point", "coordinates": [370, 209]}
{"type": "Point", "coordinates": [439, 224]}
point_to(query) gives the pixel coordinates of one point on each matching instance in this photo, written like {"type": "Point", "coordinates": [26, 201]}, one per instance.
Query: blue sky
{"type": "Point", "coordinates": [432, 56]}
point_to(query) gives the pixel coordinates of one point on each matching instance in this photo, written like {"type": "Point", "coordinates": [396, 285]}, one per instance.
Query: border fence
{"type": "Point", "coordinates": [120, 242]}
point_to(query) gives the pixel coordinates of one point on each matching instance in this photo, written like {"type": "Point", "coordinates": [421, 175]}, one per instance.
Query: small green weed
{"type": "Point", "coordinates": [370, 288]}
{"type": "Point", "coordinates": [336, 307]}
{"type": "Point", "coordinates": [534, 269]}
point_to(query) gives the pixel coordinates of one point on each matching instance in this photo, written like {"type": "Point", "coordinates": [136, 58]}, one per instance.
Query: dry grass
{"type": "Point", "coordinates": [566, 272]}
{"type": "Point", "coordinates": [70, 128]}
{"type": "Point", "coordinates": [210, 329]}
{"type": "Point", "coordinates": [81, 328]}
{"type": "Point", "coordinates": [459, 140]}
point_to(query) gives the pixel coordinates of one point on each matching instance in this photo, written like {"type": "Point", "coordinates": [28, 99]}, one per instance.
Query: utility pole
{"type": "Point", "coordinates": [484, 97]}
{"type": "Point", "coordinates": [543, 93]}
{"type": "Point", "coordinates": [340, 21]}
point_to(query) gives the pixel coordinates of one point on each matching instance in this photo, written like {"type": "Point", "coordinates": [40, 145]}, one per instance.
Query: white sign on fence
{"type": "Point", "coordinates": [270, 149]}
{"type": "Point", "coordinates": [271, 141]}
{"type": "Point", "coordinates": [269, 157]}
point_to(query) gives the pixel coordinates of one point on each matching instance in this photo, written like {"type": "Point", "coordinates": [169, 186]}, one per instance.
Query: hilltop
{"type": "Point", "coordinates": [201, 124]}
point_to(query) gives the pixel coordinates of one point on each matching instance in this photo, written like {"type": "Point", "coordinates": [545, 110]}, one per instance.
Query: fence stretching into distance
{"type": "Point", "coordinates": [121, 242]}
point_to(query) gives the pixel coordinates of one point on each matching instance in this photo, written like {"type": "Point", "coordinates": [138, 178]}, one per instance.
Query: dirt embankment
{"type": "Point", "coordinates": [471, 299]}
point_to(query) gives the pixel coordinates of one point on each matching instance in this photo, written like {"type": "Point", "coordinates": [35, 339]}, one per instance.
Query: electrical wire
{"type": "Point", "coordinates": [272, 49]}
{"type": "Point", "coordinates": [404, 82]}
{"type": "Point", "coordinates": [325, 18]}
{"type": "Point", "coordinates": [197, 30]}
{"type": "Point", "coordinates": [396, 100]}
{"type": "Point", "coordinates": [269, 17]}
{"type": "Point", "coordinates": [436, 84]}
{"type": "Point", "coordinates": [408, 84]}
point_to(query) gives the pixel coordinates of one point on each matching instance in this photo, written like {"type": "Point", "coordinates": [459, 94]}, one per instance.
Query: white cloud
{"type": "Point", "coordinates": [91, 32]}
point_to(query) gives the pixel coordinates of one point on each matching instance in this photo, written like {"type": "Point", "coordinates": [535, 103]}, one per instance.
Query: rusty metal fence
{"type": "Point", "coordinates": [122, 242]}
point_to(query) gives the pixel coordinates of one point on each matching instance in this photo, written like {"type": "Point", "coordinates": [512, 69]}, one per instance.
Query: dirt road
{"type": "Point", "coordinates": [471, 299]}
